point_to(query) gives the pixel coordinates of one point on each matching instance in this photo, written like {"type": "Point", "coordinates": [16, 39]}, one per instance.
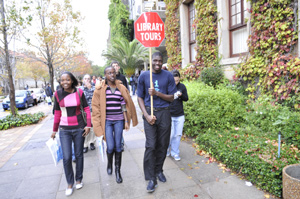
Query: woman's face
{"type": "Point", "coordinates": [110, 74]}
{"type": "Point", "coordinates": [177, 80]}
{"type": "Point", "coordinates": [66, 82]}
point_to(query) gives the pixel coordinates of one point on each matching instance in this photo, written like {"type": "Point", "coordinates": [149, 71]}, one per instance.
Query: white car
{"type": "Point", "coordinates": [40, 94]}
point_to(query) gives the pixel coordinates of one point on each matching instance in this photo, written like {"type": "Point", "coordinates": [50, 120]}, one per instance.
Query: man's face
{"type": "Point", "coordinates": [116, 67]}
{"type": "Point", "coordinates": [86, 79]}
{"type": "Point", "coordinates": [157, 63]}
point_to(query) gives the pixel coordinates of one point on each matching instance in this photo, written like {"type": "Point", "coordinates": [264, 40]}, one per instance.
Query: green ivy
{"type": "Point", "coordinates": [172, 28]}
{"type": "Point", "coordinates": [206, 24]}
{"type": "Point", "coordinates": [11, 121]}
{"type": "Point", "coordinates": [274, 34]}
{"type": "Point", "coordinates": [120, 24]}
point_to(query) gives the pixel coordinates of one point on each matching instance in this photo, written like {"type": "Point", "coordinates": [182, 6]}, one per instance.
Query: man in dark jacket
{"type": "Point", "coordinates": [177, 115]}
{"type": "Point", "coordinates": [49, 93]}
{"type": "Point", "coordinates": [119, 76]}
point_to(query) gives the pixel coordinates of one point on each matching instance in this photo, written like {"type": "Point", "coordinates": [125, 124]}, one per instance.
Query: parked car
{"type": "Point", "coordinates": [40, 94]}
{"type": "Point", "coordinates": [23, 99]}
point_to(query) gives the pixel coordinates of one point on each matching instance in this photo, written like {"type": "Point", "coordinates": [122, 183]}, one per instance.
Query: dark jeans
{"type": "Point", "coordinates": [157, 142]}
{"type": "Point", "coordinates": [133, 89]}
{"type": "Point", "coordinates": [66, 138]}
{"type": "Point", "coordinates": [113, 135]}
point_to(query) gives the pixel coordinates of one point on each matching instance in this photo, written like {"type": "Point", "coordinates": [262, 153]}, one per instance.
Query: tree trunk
{"type": "Point", "coordinates": [7, 62]}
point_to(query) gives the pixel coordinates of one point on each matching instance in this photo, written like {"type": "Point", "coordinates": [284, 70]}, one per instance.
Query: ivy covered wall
{"type": "Point", "coordinates": [120, 24]}
{"type": "Point", "coordinates": [272, 67]}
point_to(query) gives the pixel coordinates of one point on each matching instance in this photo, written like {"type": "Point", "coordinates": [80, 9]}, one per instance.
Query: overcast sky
{"type": "Point", "coordinates": [95, 27]}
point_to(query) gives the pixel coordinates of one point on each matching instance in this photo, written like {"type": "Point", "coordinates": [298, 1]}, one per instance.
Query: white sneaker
{"type": "Point", "coordinates": [176, 157]}
{"type": "Point", "coordinates": [69, 191]}
{"type": "Point", "coordinates": [79, 186]}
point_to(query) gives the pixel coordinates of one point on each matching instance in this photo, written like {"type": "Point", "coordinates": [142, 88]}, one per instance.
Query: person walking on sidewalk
{"type": "Point", "coordinates": [88, 90]}
{"type": "Point", "coordinates": [177, 115]}
{"type": "Point", "coordinates": [121, 77]}
{"type": "Point", "coordinates": [49, 94]}
{"type": "Point", "coordinates": [112, 107]}
{"type": "Point", "coordinates": [72, 127]}
{"type": "Point", "coordinates": [158, 127]}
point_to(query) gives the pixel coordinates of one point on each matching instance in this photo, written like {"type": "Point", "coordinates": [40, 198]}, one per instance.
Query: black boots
{"type": "Point", "coordinates": [109, 162]}
{"type": "Point", "coordinates": [118, 159]}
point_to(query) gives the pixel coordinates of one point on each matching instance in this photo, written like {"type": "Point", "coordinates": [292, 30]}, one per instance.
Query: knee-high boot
{"type": "Point", "coordinates": [109, 162]}
{"type": "Point", "coordinates": [118, 160]}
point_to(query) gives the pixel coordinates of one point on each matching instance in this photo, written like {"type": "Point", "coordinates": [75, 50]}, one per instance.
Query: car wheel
{"type": "Point", "coordinates": [5, 109]}
{"type": "Point", "coordinates": [26, 105]}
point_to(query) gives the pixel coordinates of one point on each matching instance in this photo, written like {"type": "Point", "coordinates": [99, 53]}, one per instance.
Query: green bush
{"type": "Point", "coordinates": [244, 136]}
{"type": "Point", "coordinates": [212, 76]}
{"type": "Point", "coordinates": [212, 108]}
{"type": "Point", "coordinates": [20, 120]}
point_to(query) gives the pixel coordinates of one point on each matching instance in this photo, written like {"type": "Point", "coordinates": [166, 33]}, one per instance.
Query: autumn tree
{"type": "Point", "coordinates": [13, 20]}
{"type": "Point", "coordinates": [30, 68]}
{"type": "Point", "coordinates": [57, 34]}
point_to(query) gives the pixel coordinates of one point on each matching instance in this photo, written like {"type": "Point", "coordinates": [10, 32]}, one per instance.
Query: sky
{"type": "Point", "coordinates": [95, 27]}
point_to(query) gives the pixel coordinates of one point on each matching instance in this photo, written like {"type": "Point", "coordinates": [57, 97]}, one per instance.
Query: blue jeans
{"type": "Point", "coordinates": [113, 135]}
{"type": "Point", "coordinates": [66, 138]}
{"type": "Point", "coordinates": [176, 133]}
{"type": "Point", "coordinates": [133, 89]}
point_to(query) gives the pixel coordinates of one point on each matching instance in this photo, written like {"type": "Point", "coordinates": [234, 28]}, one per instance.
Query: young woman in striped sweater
{"type": "Point", "coordinates": [72, 127]}
{"type": "Point", "coordinates": [113, 110]}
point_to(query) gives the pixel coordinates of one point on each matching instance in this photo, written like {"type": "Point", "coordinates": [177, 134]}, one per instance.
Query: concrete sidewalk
{"type": "Point", "coordinates": [29, 172]}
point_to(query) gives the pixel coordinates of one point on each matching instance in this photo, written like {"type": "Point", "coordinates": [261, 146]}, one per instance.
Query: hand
{"type": "Point", "coordinates": [152, 91]}
{"type": "Point", "coordinates": [88, 85]}
{"type": "Point", "coordinates": [179, 94]}
{"type": "Point", "coordinates": [127, 126]}
{"type": "Point", "coordinates": [53, 135]}
{"type": "Point", "coordinates": [86, 131]}
{"type": "Point", "coordinates": [150, 120]}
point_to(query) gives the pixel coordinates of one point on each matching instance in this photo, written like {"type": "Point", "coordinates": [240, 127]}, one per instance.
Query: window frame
{"type": "Point", "coordinates": [236, 27]}
{"type": "Point", "coordinates": [191, 42]}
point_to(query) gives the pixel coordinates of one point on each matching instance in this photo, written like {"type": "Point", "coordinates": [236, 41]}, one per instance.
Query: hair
{"type": "Point", "coordinates": [114, 62]}
{"type": "Point", "coordinates": [86, 75]}
{"type": "Point", "coordinates": [157, 54]}
{"type": "Point", "coordinates": [175, 73]}
{"type": "Point", "coordinates": [107, 67]}
{"type": "Point", "coordinates": [73, 78]}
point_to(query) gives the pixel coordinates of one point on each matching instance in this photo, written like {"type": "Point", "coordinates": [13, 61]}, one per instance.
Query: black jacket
{"type": "Point", "coordinates": [123, 79]}
{"type": "Point", "coordinates": [176, 107]}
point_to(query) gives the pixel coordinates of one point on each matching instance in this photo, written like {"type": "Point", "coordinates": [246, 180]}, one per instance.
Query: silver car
{"type": "Point", "coordinates": [40, 94]}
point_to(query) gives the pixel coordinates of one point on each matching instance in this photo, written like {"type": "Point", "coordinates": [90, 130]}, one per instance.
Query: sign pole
{"type": "Point", "coordinates": [151, 83]}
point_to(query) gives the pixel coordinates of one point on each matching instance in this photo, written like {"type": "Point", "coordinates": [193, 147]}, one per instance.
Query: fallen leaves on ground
{"type": "Point", "coordinates": [267, 196]}
{"type": "Point", "coordinates": [196, 196]}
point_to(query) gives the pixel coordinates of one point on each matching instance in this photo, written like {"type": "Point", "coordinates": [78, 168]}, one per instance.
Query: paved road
{"type": "Point", "coordinates": [27, 171]}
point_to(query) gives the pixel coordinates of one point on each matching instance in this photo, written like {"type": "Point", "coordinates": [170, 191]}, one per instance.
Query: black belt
{"type": "Point", "coordinates": [158, 109]}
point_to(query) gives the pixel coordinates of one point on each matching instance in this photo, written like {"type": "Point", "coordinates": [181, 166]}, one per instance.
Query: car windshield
{"type": "Point", "coordinates": [20, 93]}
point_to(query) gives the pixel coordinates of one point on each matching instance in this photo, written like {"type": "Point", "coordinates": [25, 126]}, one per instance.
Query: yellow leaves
{"type": "Point", "coordinates": [267, 196]}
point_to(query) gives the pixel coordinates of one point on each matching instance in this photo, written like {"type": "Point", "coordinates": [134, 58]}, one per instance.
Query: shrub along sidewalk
{"type": "Point", "coordinates": [244, 136]}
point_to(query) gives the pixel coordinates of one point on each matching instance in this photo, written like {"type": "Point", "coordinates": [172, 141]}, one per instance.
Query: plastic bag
{"type": "Point", "coordinates": [102, 147]}
{"type": "Point", "coordinates": [55, 149]}
{"type": "Point", "coordinates": [48, 99]}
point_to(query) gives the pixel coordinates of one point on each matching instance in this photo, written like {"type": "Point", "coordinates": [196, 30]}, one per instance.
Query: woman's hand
{"type": "Point", "coordinates": [127, 126]}
{"type": "Point", "coordinates": [53, 135]}
{"type": "Point", "coordinates": [86, 131]}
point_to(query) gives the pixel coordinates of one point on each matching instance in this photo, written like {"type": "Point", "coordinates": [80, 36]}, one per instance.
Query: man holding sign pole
{"type": "Point", "coordinates": [157, 127]}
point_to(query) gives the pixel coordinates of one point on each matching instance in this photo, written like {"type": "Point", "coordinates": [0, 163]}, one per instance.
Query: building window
{"type": "Point", "coordinates": [192, 32]}
{"type": "Point", "coordinates": [238, 27]}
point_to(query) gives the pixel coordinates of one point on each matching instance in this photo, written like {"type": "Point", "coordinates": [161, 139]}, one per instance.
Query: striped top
{"type": "Point", "coordinates": [114, 102]}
